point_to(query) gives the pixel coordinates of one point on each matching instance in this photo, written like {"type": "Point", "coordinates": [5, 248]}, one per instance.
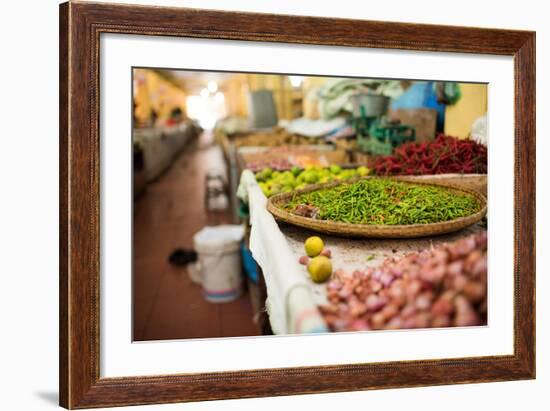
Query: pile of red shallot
{"type": "Point", "coordinates": [445, 286]}
{"type": "Point", "coordinates": [443, 155]}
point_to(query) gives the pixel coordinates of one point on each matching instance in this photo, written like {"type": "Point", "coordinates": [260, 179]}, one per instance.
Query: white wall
{"type": "Point", "coordinates": [28, 203]}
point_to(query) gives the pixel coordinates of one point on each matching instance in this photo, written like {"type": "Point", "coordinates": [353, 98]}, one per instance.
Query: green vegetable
{"type": "Point", "coordinates": [386, 201]}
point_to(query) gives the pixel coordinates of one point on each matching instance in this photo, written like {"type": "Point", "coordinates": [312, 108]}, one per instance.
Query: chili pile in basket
{"type": "Point", "coordinates": [443, 155]}
{"type": "Point", "coordinates": [378, 201]}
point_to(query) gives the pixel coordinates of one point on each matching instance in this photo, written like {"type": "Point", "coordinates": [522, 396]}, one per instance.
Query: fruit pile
{"type": "Point", "coordinates": [441, 287]}
{"type": "Point", "coordinates": [443, 155]}
{"type": "Point", "coordinates": [317, 259]}
{"type": "Point", "coordinates": [275, 182]}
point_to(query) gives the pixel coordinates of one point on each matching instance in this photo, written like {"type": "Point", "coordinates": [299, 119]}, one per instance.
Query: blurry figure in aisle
{"type": "Point", "coordinates": [153, 118]}
{"type": "Point", "coordinates": [176, 117]}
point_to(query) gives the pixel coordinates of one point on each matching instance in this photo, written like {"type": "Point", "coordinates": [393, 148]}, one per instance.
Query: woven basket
{"type": "Point", "coordinates": [476, 182]}
{"type": "Point", "coordinates": [376, 231]}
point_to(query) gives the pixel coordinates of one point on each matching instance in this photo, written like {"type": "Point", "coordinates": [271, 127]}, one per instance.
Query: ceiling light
{"type": "Point", "coordinates": [212, 87]}
{"type": "Point", "coordinates": [296, 81]}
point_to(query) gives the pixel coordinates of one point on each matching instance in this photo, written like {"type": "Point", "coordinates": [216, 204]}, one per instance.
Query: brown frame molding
{"type": "Point", "coordinates": [80, 27]}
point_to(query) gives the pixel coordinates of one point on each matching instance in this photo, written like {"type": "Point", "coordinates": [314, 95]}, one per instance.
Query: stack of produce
{"type": "Point", "coordinates": [383, 201]}
{"type": "Point", "coordinates": [441, 287]}
{"type": "Point", "coordinates": [317, 259]}
{"type": "Point", "coordinates": [263, 161]}
{"type": "Point", "coordinates": [285, 157]}
{"type": "Point", "coordinates": [275, 138]}
{"type": "Point", "coordinates": [443, 155]}
{"type": "Point", "coordinates": [275, 182]}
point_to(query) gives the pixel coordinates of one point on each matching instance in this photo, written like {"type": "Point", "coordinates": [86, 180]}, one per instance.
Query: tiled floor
{"type": "Point", "coordinates": [167, 305]}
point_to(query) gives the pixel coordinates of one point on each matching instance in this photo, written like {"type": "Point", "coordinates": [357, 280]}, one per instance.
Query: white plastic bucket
{"type": "Point", "coordinates": [218, 267]}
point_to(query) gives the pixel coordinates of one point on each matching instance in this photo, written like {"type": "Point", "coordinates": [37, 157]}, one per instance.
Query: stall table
{"type": "Point", "coordinates": [292, 298]}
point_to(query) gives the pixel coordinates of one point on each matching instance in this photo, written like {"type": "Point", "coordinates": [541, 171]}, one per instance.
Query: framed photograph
{"type": "Point", "coordinates": [259, 205]}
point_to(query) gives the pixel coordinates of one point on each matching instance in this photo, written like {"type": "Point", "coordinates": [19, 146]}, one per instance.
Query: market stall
{"type": "Point", "coordinates": [294, 299]}
{"type": "Point", "coordinates": [307, 153]}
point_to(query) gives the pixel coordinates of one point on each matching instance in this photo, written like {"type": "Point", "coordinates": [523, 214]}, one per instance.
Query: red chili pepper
{"type": "Point", "coordinates": [444, 154]}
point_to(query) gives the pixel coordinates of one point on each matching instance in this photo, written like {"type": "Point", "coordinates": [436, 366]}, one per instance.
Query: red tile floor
{"type": "Point", "coordinates": [167, 305]}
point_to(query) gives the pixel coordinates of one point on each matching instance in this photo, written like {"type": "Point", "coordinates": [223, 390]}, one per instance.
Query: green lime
{"type": "Point", "coordinates": [335, 169]}
{"type": "Point", "coordinates": [312, 177]}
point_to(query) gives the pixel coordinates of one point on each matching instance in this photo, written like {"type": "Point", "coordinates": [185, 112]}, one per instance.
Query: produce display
{"type": "Point", "coordinates": [275, 138]}
{"type": "Point", "coordinates": [443, 155]}
{"type": "Point", "coordinates": [262, 162]}
{"type": "Point", "coordinates": [317, 259]}
{"type": "Point", "coordinates": [274, 182]}
{"type": "Point", "coordinates": [383, 201]}
{"type": "Point", "coordinates": [436, 287]}
{"type": "Point", "coordinates": [285, 157]}
{"type": "Point", "coordinates": [441, 287]}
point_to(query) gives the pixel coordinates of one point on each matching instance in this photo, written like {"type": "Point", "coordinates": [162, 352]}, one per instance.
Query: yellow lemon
{"type": "Point", "coordinates": [319, 268]}
{"type": "Point", "coordinates": [313, 246]}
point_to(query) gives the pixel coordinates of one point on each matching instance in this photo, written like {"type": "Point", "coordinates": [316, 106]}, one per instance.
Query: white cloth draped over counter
{"type": "Point", "coordinates": [290, 303]}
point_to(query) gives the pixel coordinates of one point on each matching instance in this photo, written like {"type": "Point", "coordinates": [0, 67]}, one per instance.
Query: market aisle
{"type": "Point", "coordinates": [167, 305]}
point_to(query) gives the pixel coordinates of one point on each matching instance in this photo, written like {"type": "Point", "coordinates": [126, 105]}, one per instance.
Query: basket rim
{"type": "Point", "coordinates": [377, 230]}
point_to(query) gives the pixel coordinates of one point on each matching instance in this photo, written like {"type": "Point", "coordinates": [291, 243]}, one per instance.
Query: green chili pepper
{"type": "Point", "coordinates": [386, 201]}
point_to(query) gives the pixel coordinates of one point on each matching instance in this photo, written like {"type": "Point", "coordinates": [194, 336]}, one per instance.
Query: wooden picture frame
{"type": "Point", "coordinates": [80, 27]}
